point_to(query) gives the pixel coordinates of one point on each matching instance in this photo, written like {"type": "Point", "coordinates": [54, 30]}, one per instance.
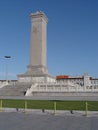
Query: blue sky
{"type": "Point", "coordinates": [72, 36]}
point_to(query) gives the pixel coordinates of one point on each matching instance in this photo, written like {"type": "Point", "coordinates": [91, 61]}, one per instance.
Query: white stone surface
{"type": "Point", "coordinates": [87, 81]}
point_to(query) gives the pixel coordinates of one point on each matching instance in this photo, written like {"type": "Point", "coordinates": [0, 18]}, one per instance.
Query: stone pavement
{"type": "Point", "coordinates": [38, 120]}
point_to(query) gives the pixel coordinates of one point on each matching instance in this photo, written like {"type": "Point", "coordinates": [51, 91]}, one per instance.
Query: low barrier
{"type": "Point", "coordinates": [71, 106]}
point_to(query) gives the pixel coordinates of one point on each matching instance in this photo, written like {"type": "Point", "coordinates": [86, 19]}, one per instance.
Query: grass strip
{"type": "Point", "coordinates": [43, 104]}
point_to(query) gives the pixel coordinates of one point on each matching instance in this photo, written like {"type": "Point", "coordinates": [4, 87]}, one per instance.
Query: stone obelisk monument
{"type": "Point", "coordinates": [38, 44]}
{"type": "Point", "coordinates": [37, 68]}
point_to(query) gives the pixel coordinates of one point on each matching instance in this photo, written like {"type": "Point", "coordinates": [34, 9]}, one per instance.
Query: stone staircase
{"type": "Point", "coordinates": [17, 89]}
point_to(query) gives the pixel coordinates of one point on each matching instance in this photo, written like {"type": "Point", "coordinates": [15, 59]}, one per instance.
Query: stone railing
{"type": "Point", "coordinates": [2, 84]}
{"type": "Point", "coordinates": [59, 87]}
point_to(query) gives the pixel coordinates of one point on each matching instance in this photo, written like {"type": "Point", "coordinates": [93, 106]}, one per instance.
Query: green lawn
{"type": "Point", "coordinates": [41, 104]}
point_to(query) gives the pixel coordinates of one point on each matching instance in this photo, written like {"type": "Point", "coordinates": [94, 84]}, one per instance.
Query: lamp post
{"type": "Point", "coordinates": [6, 73]}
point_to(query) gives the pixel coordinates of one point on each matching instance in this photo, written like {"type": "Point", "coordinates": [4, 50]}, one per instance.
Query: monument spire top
{"type": "Point", "coordinates": [39, 14]}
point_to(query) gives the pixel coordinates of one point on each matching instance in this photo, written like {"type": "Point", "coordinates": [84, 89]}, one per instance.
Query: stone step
{"type": "Point", "coordinates": [14, 90]}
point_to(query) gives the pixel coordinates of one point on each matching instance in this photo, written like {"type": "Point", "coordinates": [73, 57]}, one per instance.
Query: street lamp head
{"type": "Point", "coordinates": [7, 56]}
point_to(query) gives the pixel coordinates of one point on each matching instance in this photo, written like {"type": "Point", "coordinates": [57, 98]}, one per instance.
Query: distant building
{"type": "Point", "coordinates": [84, 80]}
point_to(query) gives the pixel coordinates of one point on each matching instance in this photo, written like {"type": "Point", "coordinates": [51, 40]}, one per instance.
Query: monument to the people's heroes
{"type": "Point", "coordinates": [37, 69]}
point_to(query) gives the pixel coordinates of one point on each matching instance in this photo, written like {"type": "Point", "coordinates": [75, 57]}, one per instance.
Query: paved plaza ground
{"type": "Point", "coordinates": [37, 120]}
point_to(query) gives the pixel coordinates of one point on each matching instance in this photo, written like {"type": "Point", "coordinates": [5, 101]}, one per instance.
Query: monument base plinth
{"type": "Point", "coordinates": [35, 78]}
{"type": "Point", "coordinates": [36, 70]}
